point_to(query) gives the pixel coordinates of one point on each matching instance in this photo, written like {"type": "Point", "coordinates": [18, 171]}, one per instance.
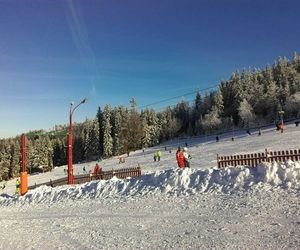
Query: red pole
{"type": "Point", "coordinates": [23, 153]}
{"type": "Point", "coordinates": [23, 175]}
{"type": "Point", "coordinates": [70, 160]}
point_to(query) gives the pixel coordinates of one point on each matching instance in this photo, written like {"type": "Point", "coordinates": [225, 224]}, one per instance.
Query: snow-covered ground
{"type": "Point", "coordinates": [198, 208]}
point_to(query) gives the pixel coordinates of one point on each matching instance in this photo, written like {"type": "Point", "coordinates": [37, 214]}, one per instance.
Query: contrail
{"type": "Point", "coordinates": [81, 41]}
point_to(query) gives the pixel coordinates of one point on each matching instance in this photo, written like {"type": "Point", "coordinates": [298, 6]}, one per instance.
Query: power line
{"type": "Point", "coordinates": [176, 97]}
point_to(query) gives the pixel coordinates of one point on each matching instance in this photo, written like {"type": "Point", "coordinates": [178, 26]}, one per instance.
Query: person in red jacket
{"type": "Point", "coordinates": [97, 170]}
{"type": "Point", "coordinates": [180, 158]}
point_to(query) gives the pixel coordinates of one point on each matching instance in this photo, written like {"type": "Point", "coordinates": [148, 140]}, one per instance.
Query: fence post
{"type": "Point", "coordinates": [139, 170]}
{"type": "Point", "coordinates": [113, 172]}
{"type": "Point", "coordinates": [267, 155]}
{"type": "Point", "coordinates": [218, 162]}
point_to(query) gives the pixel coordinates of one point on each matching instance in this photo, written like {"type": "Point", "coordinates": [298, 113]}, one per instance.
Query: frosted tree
{"type": "Point", "coordinates": [296, 62]}
{"type": "Point", "coordinates": [91, 140]}
{"type": "Point", "coordinates": [207, 104]}
{"type": "Point", "coordinates": [281, 76]}
{"type": "Point", "coordinates": [59, 157]}
{"type": "Point", "coordinates": [172, 125]}
{"type": "Point", "coordinates": [146, 139]}
{"type": "Point", "coordinates": [15, 159]}
{"type": "Point", "coordinates": [107, 138]}
{"type": "Point", "coordinates": [292, 106]}
{"type": "Point", "coordinates": [211, 120]}
{"type": "Point", "coordinates": [151, 128]}
{"type": "Point", "coordinates": [218, 102]}
{"type": "Point", "coordinates": [182, 113]}
{"type": "Point", "coordinates": [134, 127]}
{"type": "Point", "coordinates": [237, 95]}
{"type": "Point", "coordinates": [5, 158]}
{"type": "Point", "coordinates": [30, 154]}
{"type": "Point", "coordinates": [246, 114]}
{"type": "Point", "coordinates": [100, 122]}
{"type": "Point", "coordinates": [197, 112]}
{"type": "Point", "coordinates": [116, 130]}
{"type": "Point", "coordinates": [268, 102]}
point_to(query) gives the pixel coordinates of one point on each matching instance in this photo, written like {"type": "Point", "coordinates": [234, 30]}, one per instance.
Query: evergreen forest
{"type": "Point", "coordinates": [251, 98]}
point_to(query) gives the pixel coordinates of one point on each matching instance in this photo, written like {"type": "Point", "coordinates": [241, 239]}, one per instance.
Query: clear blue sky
{"type": "Point", "coordinates": [55, 52]}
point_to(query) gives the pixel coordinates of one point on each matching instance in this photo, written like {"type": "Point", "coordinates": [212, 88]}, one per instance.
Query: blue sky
{"type": "Point", "coordinates": [55, 52]}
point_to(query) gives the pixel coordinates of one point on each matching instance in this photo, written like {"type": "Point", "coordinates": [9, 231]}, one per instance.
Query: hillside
{"type": "Point", "coordinates": [201, 207]}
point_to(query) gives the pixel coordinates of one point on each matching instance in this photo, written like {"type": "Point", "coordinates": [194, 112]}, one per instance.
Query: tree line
{"type": "Point", "coordinates": [250, 98]}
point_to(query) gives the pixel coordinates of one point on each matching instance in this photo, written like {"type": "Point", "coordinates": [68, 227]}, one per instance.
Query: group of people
{"type": "Point", "coordinates": [97, 169]}
{"type": "Point", "coordinates": [183, 158]}
{"type": "Point", "coordinates": [18, 185]}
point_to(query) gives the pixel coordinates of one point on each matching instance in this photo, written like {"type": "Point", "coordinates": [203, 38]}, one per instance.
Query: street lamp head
{"type": "Point", "coordinates": [84, 100]}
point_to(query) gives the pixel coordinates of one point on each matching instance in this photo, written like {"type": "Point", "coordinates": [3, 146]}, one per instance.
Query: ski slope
{"type": "Point", "coordinates": [198, 208]}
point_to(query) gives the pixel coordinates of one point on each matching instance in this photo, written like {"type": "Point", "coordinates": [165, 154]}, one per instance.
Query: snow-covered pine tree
{"type": "Point", "coordinates": [94, 140]}
{"type": "Point", "coordinates": [296, 62]}
{"type": "Point", "coordinates": [146, 131]}
{"type": "Point", "coordinates": [100, 125]}
{"type": "Point", "coordinates": [218, 102]}
{"type": "Point", "coordinates": [107, 138]}
{"type": "Point", "coordinates": [124, 136]}
{"type": "Point", "coordinates": [58, 154]}
{"type": "Point", "coordinates": [235, 82]}
{"type": "Point", "coordinates": [211, 121]}
{"type": "Point", "coordinates": [182, 112]}
{"type": "Point", "coordinates": [116, 130]}
{"type": "Point", "coordinates": [197, 112]}
{"type": "Point", "coordinates": [15, 159]}
{"type": "Point", "coordinates": [246, 114]}
{"type": "Point", "coordinates": [5, 158]}
{"type": "Point", "coordinates": [151, 128]}
{"type": "Point", "coordinates": [134, 127]}
{"type": "Point", "coordinates": [281, 76]}
{"type": "Point", "coordinates": [168, 123]}
{"type": "Point", "coordinates": [86, 133]}
{"type": "Point", "coordinates": [268, 102]}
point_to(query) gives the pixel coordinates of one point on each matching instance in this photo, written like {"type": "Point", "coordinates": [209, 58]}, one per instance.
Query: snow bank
{"type": "Point", "coordinates": [173, 182]}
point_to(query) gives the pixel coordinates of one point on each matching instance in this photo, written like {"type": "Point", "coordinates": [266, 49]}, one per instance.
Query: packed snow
{"type": "Point", "coordinates": [197, 208]}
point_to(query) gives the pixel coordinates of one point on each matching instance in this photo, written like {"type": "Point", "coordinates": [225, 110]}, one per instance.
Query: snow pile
{"type": "Point", "coordinates": [173, 182]}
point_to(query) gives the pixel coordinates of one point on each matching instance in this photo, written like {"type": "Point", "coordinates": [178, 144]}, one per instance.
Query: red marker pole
{"type": "Point", "coordinates": [23, 175]}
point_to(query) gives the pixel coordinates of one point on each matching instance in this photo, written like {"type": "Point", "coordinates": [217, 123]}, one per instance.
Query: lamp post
{"type": "Point", "coordinates": [70, 153]}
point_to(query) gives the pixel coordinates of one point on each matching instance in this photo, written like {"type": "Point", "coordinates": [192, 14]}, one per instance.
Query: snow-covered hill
{"type": "Point", "coordinates": [198, 208]}
{"type": "Point", "coordinates": [172, 182]}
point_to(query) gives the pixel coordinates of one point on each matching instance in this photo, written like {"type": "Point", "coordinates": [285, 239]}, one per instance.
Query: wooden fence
{"type": "Point", "coordinates": [253, 160]}
{"type": "Point", "coordinates": [103, 175]}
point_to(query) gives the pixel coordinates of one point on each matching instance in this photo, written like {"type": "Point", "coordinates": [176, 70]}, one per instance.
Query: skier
{"type": "Point", "coordinates": [158, 154]}
{"type": "Point", "coordinates": [17, 186]}
{"type": "Point", "coordinates": [84, 170]}
{"type": "Point", "coordinates": [180, 158]}
{"type": "Point", "coordinates": [97, 170]}
{"type": "Point", "coordinates": [187, 158]}
{"type": "Point", "coordinates": [4, 185]}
